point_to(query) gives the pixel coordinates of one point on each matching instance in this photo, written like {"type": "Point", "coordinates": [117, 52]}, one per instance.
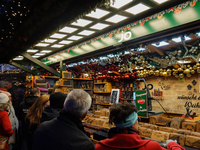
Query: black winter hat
{"type": "Point", "coordinates": [57, 100]}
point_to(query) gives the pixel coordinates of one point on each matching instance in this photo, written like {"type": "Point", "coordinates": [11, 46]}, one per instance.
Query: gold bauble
{"type": "Point", "coordinates": [161, 70]}
{"type": "Point", "coordinates": [188, 66]}
{"type": "Point", "coordinates": [180, 69]}
{"type": "Point", "coordinates": [151, 72]}
{"type": "Point", "coordinates": [165, 74]}
{"type": "Point", "coordinates": [157, 72]}
{"type": "Point", "coordinates": [169, 71]}
{"type": "Point", "coordinates": [188, 75]}
{"type": "Point", "coordinates": [198, 69]}
{"type": "Point", "coordinates": [186, 71]}
{"type": "Point", "coordinates": [169, 74]}
{"type": "Point", "coordinates": [141, 75]}
{"type": "Point", "coordinates": [198, 64]}
{"type": "Point", "coordinates": [147, 72]}
{"type": "Point", "coordinates": [174, 73]}
{"type": "Point", "coordinates": [195, 67]}
{"type": "Point", "coordinates": [192, 72]}
{"type": "Point", "coordinates": [181, 75]}
{"type": "Point", "coordinates": [138, 72]}
{"type": "Point", "coordinates": [176, 76]}
{"type": "Point", "coordinates": [173, 69]}
{"type": "Point", "coordinates": [161, 73]}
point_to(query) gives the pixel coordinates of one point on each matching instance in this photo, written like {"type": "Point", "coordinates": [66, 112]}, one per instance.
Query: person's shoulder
{"type": "Point", "coordinates": [154, 145]}
{"type": "Point", "coordinates": [3, 113]}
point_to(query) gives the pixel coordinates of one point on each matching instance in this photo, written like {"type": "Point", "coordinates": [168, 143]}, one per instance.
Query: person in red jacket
{"type": "Point", "coordinates": [125, 136]}
{"type": "Point", "coordinates": [5, 125]}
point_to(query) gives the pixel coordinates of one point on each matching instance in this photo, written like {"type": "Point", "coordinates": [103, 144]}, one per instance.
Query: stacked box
{"type": "Point", "coordinates": [195, 134]}
{"type": "Point", "coordinates": [154, 119]}
{"type": "Point", "coordinates": [198, 126]}
{"type": "Point", "coordinates": [167, 129]}
{"type": "Point", "coordinates": [179, 137]}
{"type": "Point", "coordinates": [97, 112]}
{"type": "Point", "coordinates": [176, 122]}
{"type": "Point", "coordinates": [192, 141]}
{"type": "Point", "coordinates": [189, 126]}
{"type": "Point", "coordinates": [107, 125]}
{"type": "Point", "coordinates": [182, 131]}
{"type": "Point", "coordinates": [160, 135]}
{"type": "Point", "coordinates": [145, 132]}
{"type": "Point", "coordinates": [151, 126]}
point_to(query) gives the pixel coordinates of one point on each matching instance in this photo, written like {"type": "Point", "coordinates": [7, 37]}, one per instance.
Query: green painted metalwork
{"type": "Point", "coordinates": [167, 21]}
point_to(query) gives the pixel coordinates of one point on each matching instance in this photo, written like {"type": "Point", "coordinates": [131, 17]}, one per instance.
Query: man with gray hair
{"type": "Point", "coordinates": [66, 132]}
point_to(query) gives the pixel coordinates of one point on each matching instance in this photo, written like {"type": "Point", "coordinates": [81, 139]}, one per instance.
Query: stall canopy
{"type": "Point", "coordinates": [76, 34]}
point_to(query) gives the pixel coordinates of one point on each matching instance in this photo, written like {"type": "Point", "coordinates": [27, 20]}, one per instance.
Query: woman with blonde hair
{"type": "Point", "coordinates": [5, 125]}
{"type": "Point", "coordinates": [33, 117]}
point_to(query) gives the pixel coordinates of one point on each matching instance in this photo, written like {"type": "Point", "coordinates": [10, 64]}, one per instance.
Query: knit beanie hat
{"type": "Point", "coordinates": [57, 100]}
{"type": "Point", "coordinates": [3, 98]}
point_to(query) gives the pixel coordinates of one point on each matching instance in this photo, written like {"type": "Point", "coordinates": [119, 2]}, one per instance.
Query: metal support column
{"type": "Point", "coordinates": [62, 68]}
{"type": "Point", "coordinates": [36, 61]}
{"type": "Point", "coordinates": [23, 68]}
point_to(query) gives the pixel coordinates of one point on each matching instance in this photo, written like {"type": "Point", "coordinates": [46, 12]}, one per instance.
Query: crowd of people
{"type": "Point", "coordinates": [54, 121]}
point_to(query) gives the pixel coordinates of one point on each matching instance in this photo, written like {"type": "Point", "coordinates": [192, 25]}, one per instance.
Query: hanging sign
{"type": "Point", "coordinates": [141, 103]}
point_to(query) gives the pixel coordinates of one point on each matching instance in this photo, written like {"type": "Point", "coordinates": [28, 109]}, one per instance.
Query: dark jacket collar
{"type": "Point", "coordinates": [67, 117]}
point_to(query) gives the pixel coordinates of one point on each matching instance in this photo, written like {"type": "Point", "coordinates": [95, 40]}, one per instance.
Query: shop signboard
{"type": "Point", "coordinates": [141, 102]}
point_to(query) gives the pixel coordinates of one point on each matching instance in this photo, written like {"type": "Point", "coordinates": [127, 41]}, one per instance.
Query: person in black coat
{"type": "Point", "coordinates": [57, 100]}
{"type": "Point", "coordinates": [66, 131]}
{"type": "Point", "coordinates": [23, 108]}
{"type": "Point", "coordinates": [15, 95]}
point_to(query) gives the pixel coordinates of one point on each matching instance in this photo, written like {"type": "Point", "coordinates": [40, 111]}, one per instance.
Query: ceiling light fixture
{"type": "Point", "coordinates": [32, 50]}
{"type": "Point", "coordinates": [81, 22]}
{"type": "Point", "coordinates": [98, 13]}
{"type": "Point", "coordinates": [177, 40]}
{"type": "Point", "coordinates": [46, 51]}
{"type": "Point", "coordinates": [19, 58]}
{"type": "Point", "coordinates": [40, 54]}
{"type": "Point", "coordinates": [99, 26]}
{"type": "Point", "coordinates": [160, 1]}
{"type": "Point", "coordinates": [86, 32]}
{"type": "Point", "coordinates": [35, 56]}
{"type": "Point", "coordinates": [120, 3]}
{"type": "Point", "coordinates": [74, 37]}
{"type": "Point", "coordinates": [57, 46]}
{"type": "Point", "coordinates": [198, 34]}
{"type": "Point", "coordinates": [68, 29]}
{"type": "Point", "coordinates": [137, 9]}
{"type": "Point", "coordinates": [116, 18]}
{"type": "Point", "coordinates": [163, 43]}
{"type": "Point", "coordinates": [65, 42]}
{"type": "Point", "coordinates": [49, 40]}
{"type": "Point", "coordinates": [42, 44]}
{"type": "Point", "coordinates": [58, 35]}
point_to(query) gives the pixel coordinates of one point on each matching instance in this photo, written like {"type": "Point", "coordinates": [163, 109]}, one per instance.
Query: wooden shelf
{"type": "Point", "coordinates": [102, 104]}
{"type": "Point", "coordinates": [62, 85]}
{"type": "Point", "coordinates": [101, 83]}
{"type": "Point", "coordinates": [51, 77]}
{"type": "Point", "coordinates": [102, 92]}
{"type": "Point", "coordinates": [127, 99]}
{"type": "Point", "coordinates": [81, 89]}
{"type": "Point", "coordinates": [78, 79]}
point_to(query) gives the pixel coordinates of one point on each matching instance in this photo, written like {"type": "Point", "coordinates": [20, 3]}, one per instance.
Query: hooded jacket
{"type": "Point", "coordinates": [132, 142]}
{"type": "Point", "coordinates": [5, 125]}
{"type": "Point", "coordinates": [23, 108]}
